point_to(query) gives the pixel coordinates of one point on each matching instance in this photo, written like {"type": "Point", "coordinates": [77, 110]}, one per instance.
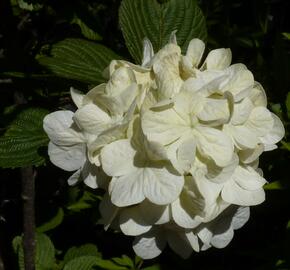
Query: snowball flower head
{"type": "Point", "coordinates": [175, 143]}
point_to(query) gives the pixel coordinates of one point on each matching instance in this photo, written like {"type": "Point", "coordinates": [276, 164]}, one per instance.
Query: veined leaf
{"type": "Point", "coordinates": [84, 250]}
{"type": "Point", "coordinates": [20, 144]}
{"type": "Point", "coordinates": [79, 60]}
{"type": "Point", "coordinates": [44, 256]}
{"type": "Point", "coordinates": [81, 263]}
{"type": "Point", "coordinates": [147, 18]}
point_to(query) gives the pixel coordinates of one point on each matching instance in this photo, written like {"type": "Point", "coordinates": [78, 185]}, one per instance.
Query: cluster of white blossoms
{"type": "Point", "coordinates": [175, 143]}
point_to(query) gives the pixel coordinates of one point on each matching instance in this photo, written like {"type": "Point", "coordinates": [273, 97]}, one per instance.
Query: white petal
{"type": "Point", "coordinates": [218, 59]}
{"type": "Point", "coordinates": [121, 79]}
{"type": "Point", "coordinates": [77, 97]}
{"type": "Point", "coordinates": [215, 144]}
{"type": "Point", "coordinates": [240, 81]}
{"type": "Point", "coordinates": [166, 69]}
{"type": "Point", "coordinates": [93, 176]}
{"type": "Point", "coordinates": [195, 51]}
{"type": "Point", "coordinates": [172, 37]}
{"type": "Point", "coordinates": [241, 216]}
{"type": "Point", "coordinates": [118, 158]}
{"type": "Point", "coordinates": [258, 95]}
{"type": "Point", "coordinates": [250, 155]}
{"type": "Point", "coordinates": [193, 240]}
{"type": "Point", "coordinates": [216, 110]}
{"type": "Point", "coordinates": [205, 235]}
{"type": "Point", "coordinates": [108, 136]}
{"type": "Point", "coordinates": [132, 222]}
{"type": "Point", "coordinates": [92, 119]}
{"type": "Point", "coordinates": [260, 121]}
{"type": "Point", "coordinates": [242, 111]}
{"type": "Point", "coordinates": [60, 129]}
{"type": "Point", "coordinates": [221, 174]}
{"type": "Point", "coordinates": [128, 189]}
{"type": "Point", "coordinates": [93, 95]}
{"type": "Point", "coordinates": [119, 104]}
{"type": "Point", "coordinates": [221, 240]}
{"type": "Point", "coordinates": [248, 179]}
{"type": "Point", "coordinates": [74, 178]}
{"type": "Point", "coordinates": [186, 152]}
{"type": "Point", "coordinates": [149, 245]}
{"type": "Point", "coordinates": [182, 217]}
{"type": "Point", "coordinates": [276, 133]}
{"type": "Point", "coordinates": [161, 186]}
{"type": "Point", "coordinates": [233, 193]}
{"type": "Point", "coordinates": [148, 52]}
{"type": "Point", "coordinates": [69, 158]}
{"type": "Point", "coordinates": [243, 136]}
{"type": "Point", "coordinates": [163, 126]}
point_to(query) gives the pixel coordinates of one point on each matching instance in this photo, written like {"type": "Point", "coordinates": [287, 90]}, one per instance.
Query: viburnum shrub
{"type": "Point", "coordinates": [175, 143]}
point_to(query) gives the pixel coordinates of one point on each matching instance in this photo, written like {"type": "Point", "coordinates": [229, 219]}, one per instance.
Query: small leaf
{"type": "Point", "coordinates": [124, 261]}
{"type": "Point", "coordinates": [52, 223]}
{"type": "Point", "coordinates": [26, 5]}
{"type": "Point", "coordinates": [86, 201]}
{"type": "Point", "coordinates": [84, 250]}
{"type": "Point", "coordinates": [273, 186]}
{"type": "Point", "coordinates": [286, 35]}
{"type": "Point", "coordinates": [78, 59]}
{"type": "Point", "coordinates": [44, 256]}
{"type": "Point", "coordinates": [20, 144]}
{"type": "Point", "coordinates": [86, 30]}
{"type": "Point", "coordinates": [147, 18]}
{"type": "Point", "coordinates": [286, 145]}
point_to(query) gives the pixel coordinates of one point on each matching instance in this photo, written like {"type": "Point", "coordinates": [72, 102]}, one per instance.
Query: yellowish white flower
{"type": "Point", "coordinates": [179, 140]}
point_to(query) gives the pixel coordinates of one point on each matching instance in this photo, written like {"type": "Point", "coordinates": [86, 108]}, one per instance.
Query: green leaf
{"type": "Point", "coordinates": [288, 104]}
{"type": "Point", "coordinates": [276, 185]}
{"type": "Point", "coordinates": [84, 250]}
{"type": "Point", "coordinates": [286, 35]}
{"type": "Point", "coordinates": [45, 252]}
{"type": "Point", "coordinates": [79, 60]}
{"type": "Point", "coordinates": [81, 263]}
{"type": "Point", "coordinates": [147, 18]}
{"type": "Point", "coordinates": [52, 223]}
{"type": "Point", "coordinates": [286, 145]}
{"type": "Point", "coordinates": [86, 201]}
{"type": "Point", "coordinates": [26, 5]}
{"type": "Point", "coordinates": [20, 144]}
{"type": "Point", "coordinates": [124, 261]}
{"type": "Point", "coordinates": [86, 30]}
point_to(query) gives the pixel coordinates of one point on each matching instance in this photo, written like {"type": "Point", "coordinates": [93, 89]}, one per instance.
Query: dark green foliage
{"type": "Point", "coordinates": [79, 60]}
{"type": "Point", "coordinates": [148, 18]}
{"type": "Point", "coordinates": [21, 143]}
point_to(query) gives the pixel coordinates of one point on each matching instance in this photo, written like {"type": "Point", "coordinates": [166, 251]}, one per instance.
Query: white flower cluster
{"type": "Point", "coordinates": [175, 143]}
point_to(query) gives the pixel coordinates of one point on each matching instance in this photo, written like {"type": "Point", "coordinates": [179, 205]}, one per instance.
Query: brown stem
{"type": "Point", "coordinates": [28, 183]}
